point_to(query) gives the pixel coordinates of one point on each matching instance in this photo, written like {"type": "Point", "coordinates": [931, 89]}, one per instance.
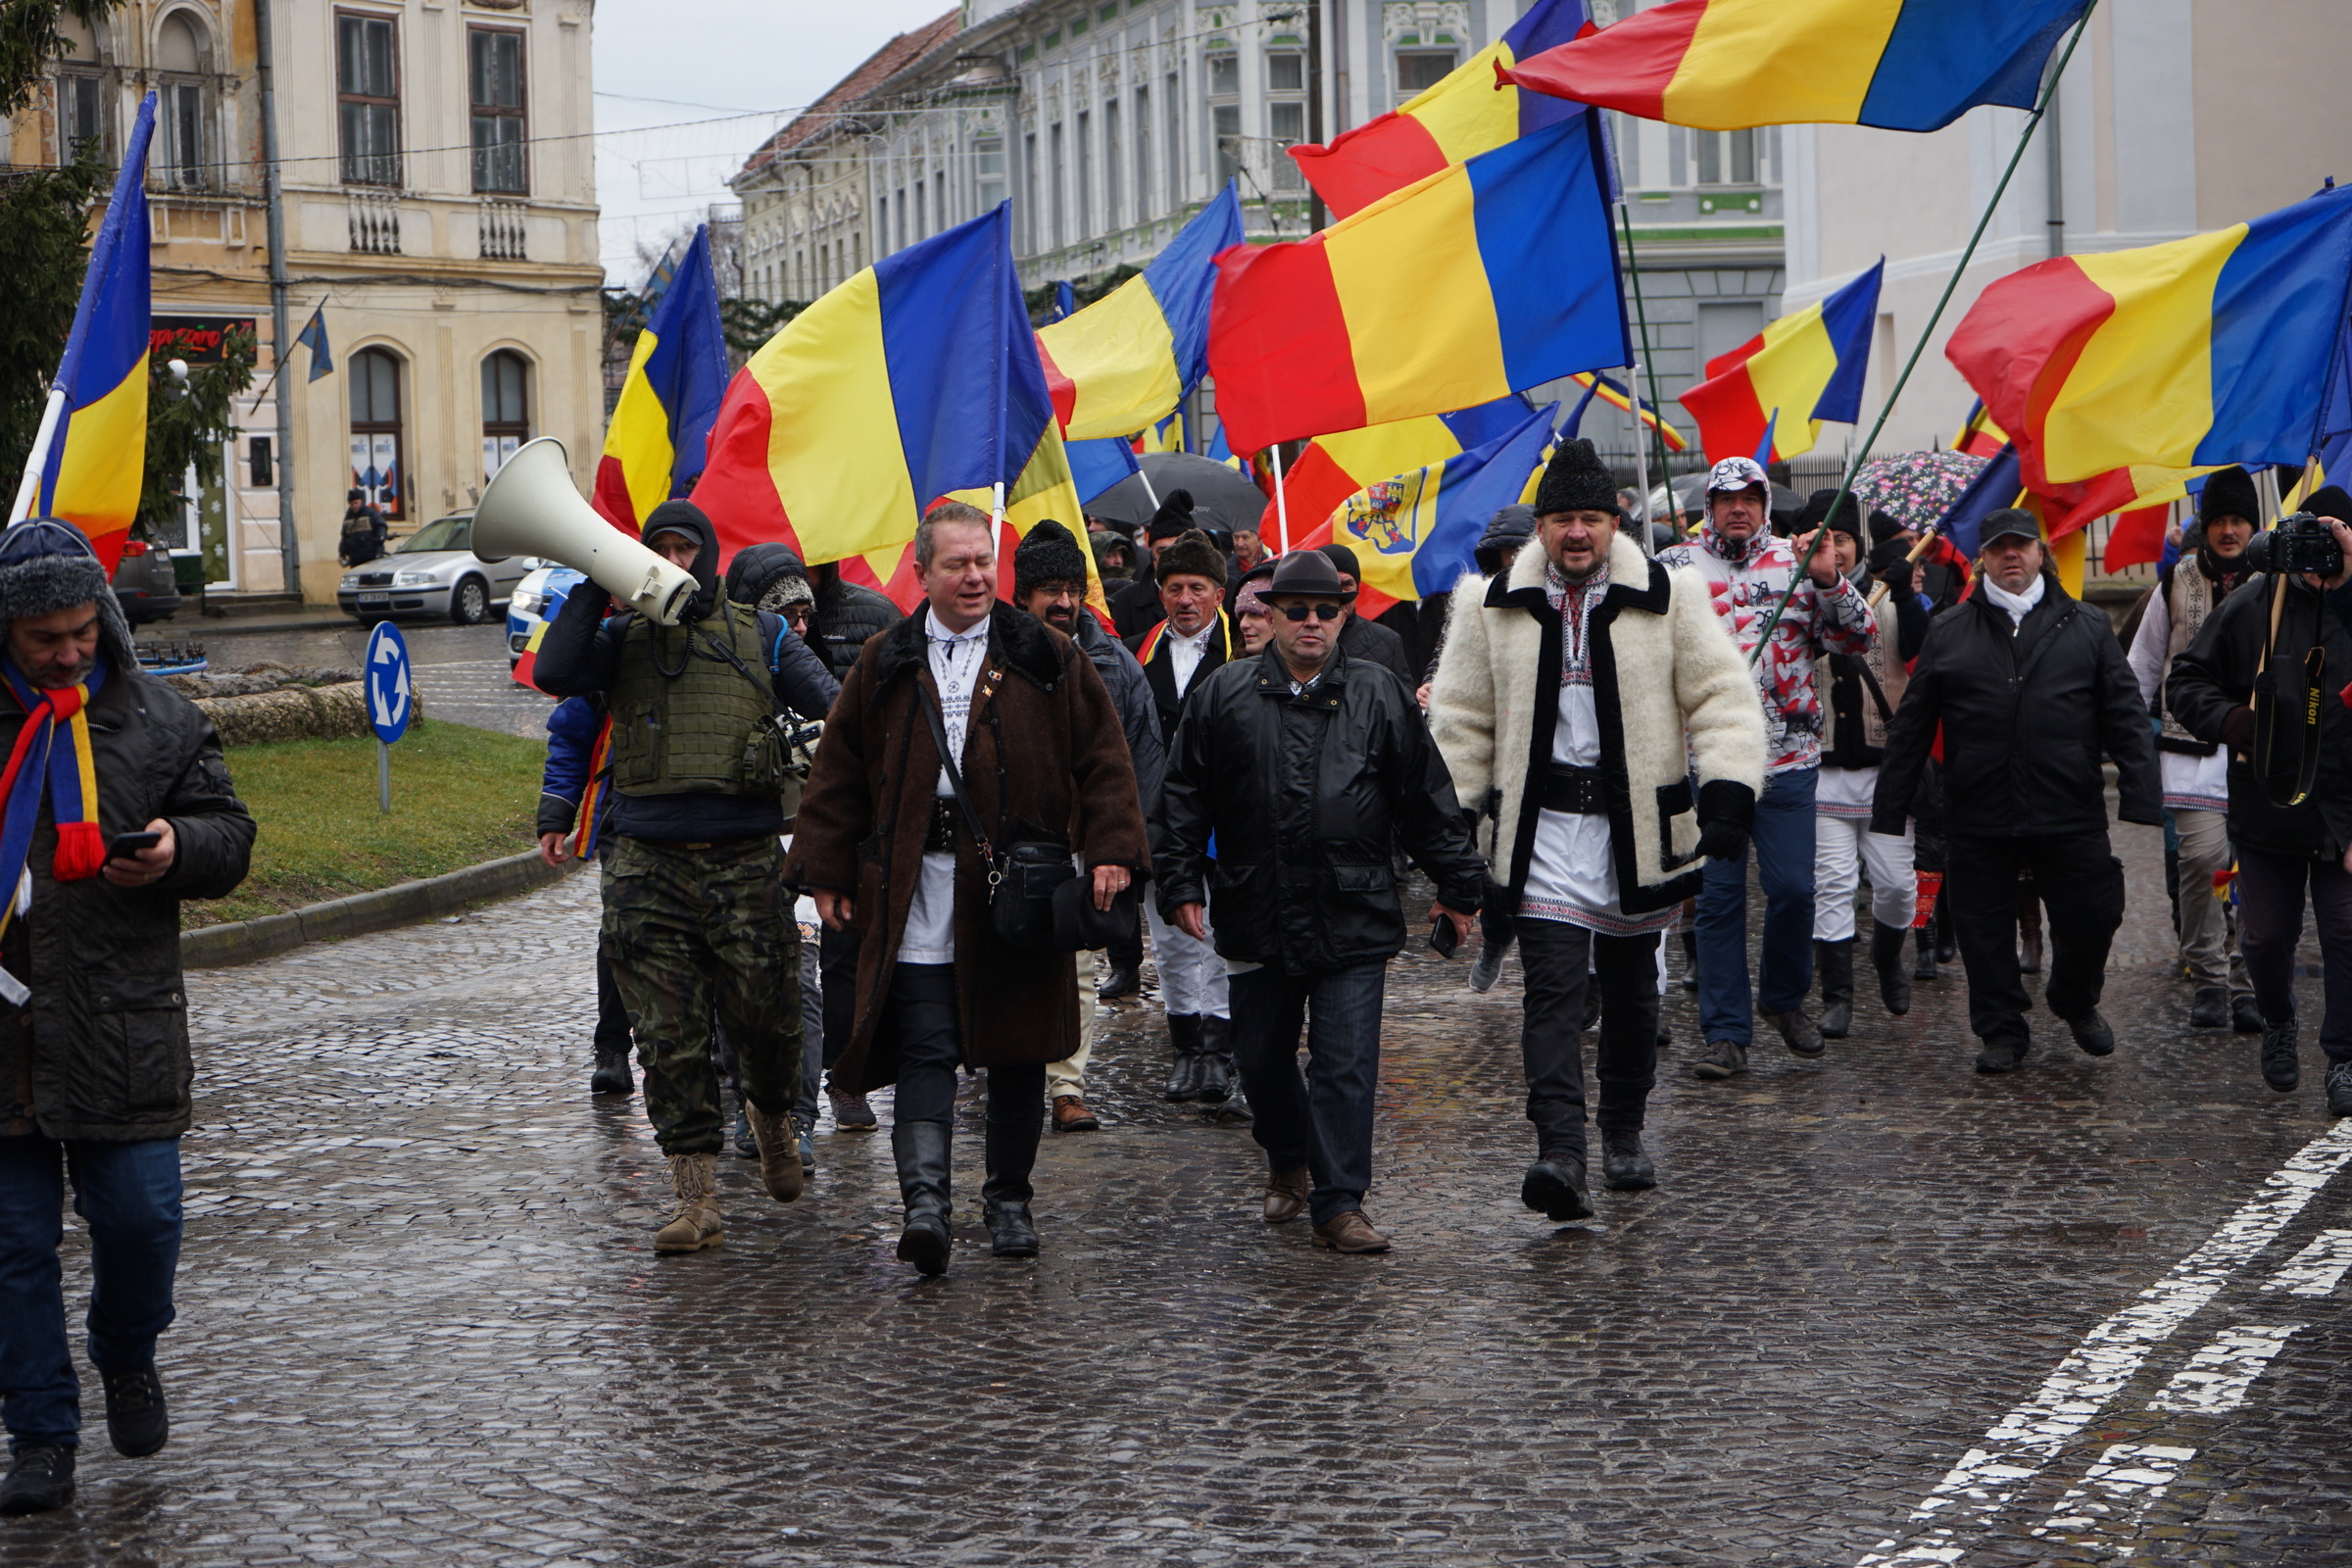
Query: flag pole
{"type": "Point", "coordinates": [1633, 271]}
{"type": "Point", "coordinates": [30, 487]}
{"type": "Point", "coordinates": [1846, 485]}
{"type": "Point", "coordinates": [1282, 504]}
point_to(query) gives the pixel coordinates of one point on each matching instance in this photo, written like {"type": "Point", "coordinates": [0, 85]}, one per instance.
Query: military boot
{"type": "Point", "coordinates": [780, 1149]}
{"type": "Point", "coordinates": [1216, 1060]}
{"type": "Point", "coordinates": [1836, 962]}
{"type": "Point", "coordinates": [921, 1149]}
{"type": "Point", "coordinates": [1887, 957]}
{"type": "Point", "coordinates": [612, 1074]}
{"type": "Point", "coordinates": [694, 1224]}
{"type": "Point", "coordinates": [1186, 1070]}
{"type": "Point", "coordinates": [1923, 967]}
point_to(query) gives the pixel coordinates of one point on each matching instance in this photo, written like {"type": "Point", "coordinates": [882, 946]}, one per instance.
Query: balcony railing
{"type": "Point", "coordinates": [374, 222]}
{"type": "Point", "coordinates": [502, 231]}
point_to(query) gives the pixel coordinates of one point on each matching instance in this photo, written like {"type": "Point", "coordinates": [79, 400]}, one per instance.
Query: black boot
{"type": "Point", "coordinates": [2211, 1009]}
{"type": "Point", "coordinates": [1185, 1070]}
{"type": "Point", "coordinates": [1887, 956]}
{"type": "Point", "coordinates": [1216, 1061]}
{"type": "Point", "coordinates": [1836, 962]}
{"type": "Point", "coordinates": [1554, 1188]}
{"type": "Point", "coordinates": [1125, 979]}
{"type": "Point", "coordinates": [2245, 1016]}
{"type": "Point", "coordinates": [1689, 980]}
{"type": "Point", "coordinates": [1004, 1196]}
{"type": "Point", "coordinates": [1946, 944]}
{"type": "Point", "coordinates": [138, 1419]}
{"type": "Point", "coordinates": [40, 1476]}
{"type": "Point", "coordinates": [921, 1149]}
{"type": "Point", "coordinates": [1923, 967]}
{"type": "Point", "coordinates": [1624, 1165]}
{"type": "Point", "coordinates": [612, 1074]}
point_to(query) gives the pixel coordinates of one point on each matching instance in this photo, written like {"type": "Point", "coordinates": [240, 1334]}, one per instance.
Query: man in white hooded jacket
{"type": "Point", "coordinates": [1580, 696]}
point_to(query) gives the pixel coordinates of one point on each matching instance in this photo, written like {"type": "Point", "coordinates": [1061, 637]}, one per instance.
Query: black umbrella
{"type": "Point", "coordinates": [1222, 496]}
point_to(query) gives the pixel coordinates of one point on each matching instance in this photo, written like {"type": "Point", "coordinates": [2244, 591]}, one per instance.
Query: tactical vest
{"type": "Point", "coordinates": [689, 722]}
{"type": "Point", "coordinates": [2189, 600]}
{"type": "Point", "coordinates": [1881, 675]}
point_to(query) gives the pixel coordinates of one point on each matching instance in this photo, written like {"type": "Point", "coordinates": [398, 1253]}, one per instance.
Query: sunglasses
{"type": "Point", "coordinates": [1324, 610]}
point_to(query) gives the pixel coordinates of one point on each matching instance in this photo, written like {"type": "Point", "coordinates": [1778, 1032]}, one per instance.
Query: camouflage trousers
{"type": "Point", "coordinates": [693, 934]}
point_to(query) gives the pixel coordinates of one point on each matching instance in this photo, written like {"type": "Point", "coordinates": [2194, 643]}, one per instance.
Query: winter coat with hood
{"type": "Point", "coordinates": [101, 1052]}
{"type": "Point", "coordinates": [848, 614]}
{"type": "Point", "coordinates": [2214, 675]}
{"type": "Point", "coordinates": [1305, 793]}
{"type": "Point", "coordinates": [1044, 758]}
{"type": "Point", "coordinates": [2026, 710]}
{"type": "Point", "coordinates": [1745, 580]}
{"type": "Point", "coordinates": [580, 657]}
{"type": "Point", "coordinates": [1673, 698]}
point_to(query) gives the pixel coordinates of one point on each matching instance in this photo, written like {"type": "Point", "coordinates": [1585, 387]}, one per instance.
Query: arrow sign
{"type": "Point", "coordinates": [388, 682]}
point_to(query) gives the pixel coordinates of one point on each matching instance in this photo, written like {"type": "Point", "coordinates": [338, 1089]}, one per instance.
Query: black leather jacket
{"type": "Point", "coordinates": [1305, 793]}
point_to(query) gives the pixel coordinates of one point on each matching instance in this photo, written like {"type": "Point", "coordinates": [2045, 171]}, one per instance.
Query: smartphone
{"type": "Point", "coordinates": [1444, 939]}
{"type": "Point", "coordinates": [122, 846]}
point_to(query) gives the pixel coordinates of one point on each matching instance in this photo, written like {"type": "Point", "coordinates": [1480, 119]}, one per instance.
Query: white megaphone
{"type": "Point", "coordinates": [531, 508]}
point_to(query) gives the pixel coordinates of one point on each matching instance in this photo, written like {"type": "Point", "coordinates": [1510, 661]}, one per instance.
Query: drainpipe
{"type": "Point", "coordinates": [2057, 179]}
{"type": "Point", "coordinates": [281, 331]}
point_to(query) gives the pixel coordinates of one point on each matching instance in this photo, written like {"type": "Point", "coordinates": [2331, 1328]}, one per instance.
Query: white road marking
{"type": "Point", "coordinates": [2218, 1376]}
{"type": "Point", "coordinates": [2115, 1491]}
{"type": "Point", "coordinates": [2023, 1442]}
{"type": "Point", "coordinates": [2317, 1269]}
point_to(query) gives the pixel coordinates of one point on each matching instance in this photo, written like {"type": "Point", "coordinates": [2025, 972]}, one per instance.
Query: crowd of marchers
{"type": "Point", "coordinates": [1581, 752]}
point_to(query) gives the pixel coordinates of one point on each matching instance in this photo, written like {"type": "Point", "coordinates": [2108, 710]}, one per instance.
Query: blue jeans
{"type": "Point", "coordinates": [1323, 1121]}
{"type": "Point", "coordinates": [128, 1195]}
{"type": "Point", "coordinates": [1783, 839]}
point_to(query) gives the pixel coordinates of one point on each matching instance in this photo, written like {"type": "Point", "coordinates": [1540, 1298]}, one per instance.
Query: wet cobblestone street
{"type": "Point", "coordinates": [421, 1322]}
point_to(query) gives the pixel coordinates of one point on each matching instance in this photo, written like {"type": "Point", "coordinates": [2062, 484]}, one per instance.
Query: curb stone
{"type": "Point", "coordinates": [216, 946]}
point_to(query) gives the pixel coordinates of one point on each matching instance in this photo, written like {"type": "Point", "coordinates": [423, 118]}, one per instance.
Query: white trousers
{"type": "Point", "coordinates": [1191, 977]}
{"type": "Point", "coordinates": [1841, 847]}
{"type": "Point", "coordinates": [1068, 1075]}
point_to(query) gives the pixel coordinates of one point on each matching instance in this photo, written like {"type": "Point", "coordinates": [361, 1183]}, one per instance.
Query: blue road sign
{"type": "Point", "coordinates": [388, 683]}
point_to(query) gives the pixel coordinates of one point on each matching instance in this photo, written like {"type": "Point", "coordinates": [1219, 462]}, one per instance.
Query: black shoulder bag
{"type": "Point", "coordinates": [1023, 880]}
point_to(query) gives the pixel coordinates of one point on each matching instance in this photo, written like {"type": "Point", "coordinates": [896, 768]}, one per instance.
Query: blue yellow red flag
{"type": "Point", "coordinates": [660, 431]}
{"type": "Point", "coordinates": [1122, 364]}
{"type": "Point", "coordinates": [1415, 533]}
{"type": "Point", "coordinates": [1335, 466]}
{"type": "Point", "coordinates": [1615, 394]}
{"type": "Point", "coordinates": [97, 460]}
{"type": "Point", "coordinates": [1769, 396]}
{"type": "Point", "coordinates": [916, 378]}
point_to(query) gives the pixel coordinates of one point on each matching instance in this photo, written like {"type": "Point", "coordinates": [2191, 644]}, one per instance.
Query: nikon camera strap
{"type": "Point", "coordinates": [2266, 710]}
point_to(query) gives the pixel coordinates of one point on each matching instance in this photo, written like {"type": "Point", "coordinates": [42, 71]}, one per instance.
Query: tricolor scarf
{"type": "Point", "coordinates": [592, 793]}
{"type": "Point", "coordinates": [66, 775]}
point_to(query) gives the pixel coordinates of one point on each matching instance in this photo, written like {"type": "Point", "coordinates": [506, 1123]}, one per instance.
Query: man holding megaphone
{"type": "Point", "coordinates": [696, 911]}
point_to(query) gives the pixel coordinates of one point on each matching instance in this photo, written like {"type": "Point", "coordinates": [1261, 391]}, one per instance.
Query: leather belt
{"type": "Point", "coordinates": [938, 829]}
{"type": "Point", "coordinates": [1575, 790]}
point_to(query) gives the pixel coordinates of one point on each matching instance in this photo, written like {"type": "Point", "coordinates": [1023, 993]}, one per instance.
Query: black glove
{"type": "Point", "coordinates": [1722, 841]}
{"type": "Point", "coordinates": [2237, 729]}
{"type": "Point", "coordinates": [1897, 574]}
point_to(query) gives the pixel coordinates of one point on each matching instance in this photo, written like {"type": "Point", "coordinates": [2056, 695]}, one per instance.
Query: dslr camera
{"type": "Point", "coordinates": [2299, 544]}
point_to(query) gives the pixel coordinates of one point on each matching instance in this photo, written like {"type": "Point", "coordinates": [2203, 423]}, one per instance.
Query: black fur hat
{"type": "Point", "coordinates": [1192, 556]}
{"type": "Point", "coordinates": [1576, 480]}
{"type": "Point", "coordinates": [2228, 492]}
{"type": "Point", "coordinates": [1047, 554]}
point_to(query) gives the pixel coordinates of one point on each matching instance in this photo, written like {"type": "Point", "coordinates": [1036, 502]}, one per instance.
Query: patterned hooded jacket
{"type": "Point", "coordinates": [1745, 580]}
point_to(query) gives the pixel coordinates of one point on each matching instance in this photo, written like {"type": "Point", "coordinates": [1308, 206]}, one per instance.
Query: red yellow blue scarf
{"type": "Point", "coordinates": [66, 775]}
{"type": "Point", "coordinates": [592, 793]}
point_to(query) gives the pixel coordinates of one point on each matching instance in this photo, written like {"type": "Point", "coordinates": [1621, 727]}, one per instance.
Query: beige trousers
{"type": "Point", "coordinates": [2204, 925]}
{"type": "Point", "coordinates": [1068, 1075]}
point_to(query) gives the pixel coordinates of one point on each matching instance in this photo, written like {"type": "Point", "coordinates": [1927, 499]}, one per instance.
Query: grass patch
{"type": "Point", "coordinates": [459, 796]}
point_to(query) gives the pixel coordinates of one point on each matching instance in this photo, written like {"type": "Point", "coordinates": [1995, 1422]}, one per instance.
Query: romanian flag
{"type": "Point", "coordinates": [1483, 278]}
{"type": "Point", "coordinates": [1416, 534]}
{"type": "Point", "coordinates": [1334, 467]}
{"type": "Point", "coordinates": [1098, 465]}
{"type": "Point", "coordinates": [1779, 385]}
{"type": "Point", "coordinates": [1120, 365]}
{"type": "Point", "coordinates": [1725, 65]}
{"type": "Point", "coordinates": [97, 461]}
{"type": "Point", "coordinates": [2189, 355]}
{"type": "Point", "coordinates": [916, 378]}
{"type": "Point", "coordinates": [1452, 122]}
{"type": "Point", "coordinates": [1616, 396]}
{"type": "Point", "coordinates": [1978, 436]}
{"type": "Point", "coordinates": [661, 429]}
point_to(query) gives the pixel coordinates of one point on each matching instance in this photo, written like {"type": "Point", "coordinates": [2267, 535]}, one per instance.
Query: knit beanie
{"type": "Point", "coordinates": [2228, 492]}
{"type": "Point", "coordinates": [1174, 517]}
{"type": "Point", "coordinates": [1576, 480]}
{"type": "Point", "coordinates": [1047, 554]}
{"type": "Point", "coordinates": [1884, 526]}
{"type": "Point", "coordinates": [1343, 560]}
{"type": "Point", "coordinates": [1191, 556]}
{"type": "Point", "coordinates": [2328, 500]}
{"type": "Point", "coordinates": [46, 564]}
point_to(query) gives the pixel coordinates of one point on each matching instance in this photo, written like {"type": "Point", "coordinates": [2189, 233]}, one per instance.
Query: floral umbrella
{"type": "Point", "coordinates": [1916, 487]}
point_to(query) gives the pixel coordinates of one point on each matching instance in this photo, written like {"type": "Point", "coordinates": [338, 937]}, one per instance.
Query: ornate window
{"type": "Point", "coordinates": [506, 408]}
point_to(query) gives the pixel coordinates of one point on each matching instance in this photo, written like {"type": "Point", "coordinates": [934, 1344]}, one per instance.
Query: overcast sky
{"type": "Point", "coordinates": [660, 165]}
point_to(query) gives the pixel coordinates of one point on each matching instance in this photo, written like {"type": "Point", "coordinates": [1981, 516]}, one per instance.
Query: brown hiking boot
{"type": "Point", "coordinates": [779, 1144]}
{"type": "Point", "coordinates": [1070, 1115]}
{"type": "Point", "coordinates": [1350, 1233]}
{"type": "Point", "coordinates": [694, 1224]}
{"type": "Point", "coordinates": [1286, 1195]}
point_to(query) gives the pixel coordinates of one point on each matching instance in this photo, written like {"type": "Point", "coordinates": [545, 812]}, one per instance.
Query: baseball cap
{"type": "Point", "coordinates": [1736, 473]}
{"type": "Point", "coordinates": [2006, 521]}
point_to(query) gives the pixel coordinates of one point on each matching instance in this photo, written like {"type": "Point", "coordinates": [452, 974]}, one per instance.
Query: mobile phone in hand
{"type": "Point", "coordinates": [123, 845]}
{"type": "Point", "coordinates": [1444, 938]}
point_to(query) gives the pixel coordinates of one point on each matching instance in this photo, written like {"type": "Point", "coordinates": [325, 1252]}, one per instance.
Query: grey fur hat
{"type": "Point", "coordinates": [1193, 556]}
{"type": "Point", "coordinates": [47, 564]}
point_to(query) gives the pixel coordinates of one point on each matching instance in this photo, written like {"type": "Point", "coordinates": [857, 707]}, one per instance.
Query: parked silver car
{"type": "Point", "coordinates": [433, 571]}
